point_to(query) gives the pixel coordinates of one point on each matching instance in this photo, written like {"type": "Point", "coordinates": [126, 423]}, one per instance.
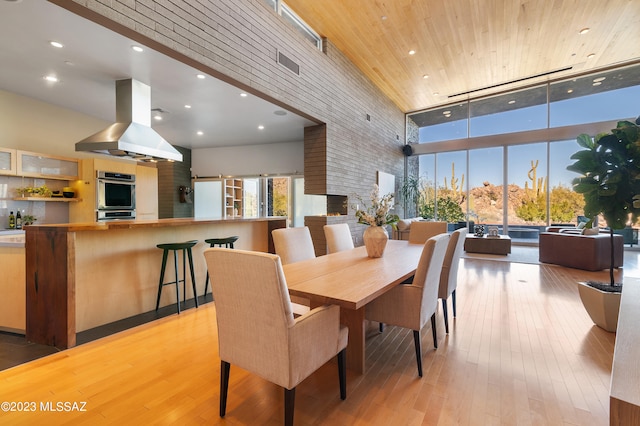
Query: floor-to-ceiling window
{"type": "Point", "coordinates": [512, 150]}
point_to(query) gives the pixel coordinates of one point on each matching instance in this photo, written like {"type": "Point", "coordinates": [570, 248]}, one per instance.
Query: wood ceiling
{"type": "Point", "coordinates": [468, 45]}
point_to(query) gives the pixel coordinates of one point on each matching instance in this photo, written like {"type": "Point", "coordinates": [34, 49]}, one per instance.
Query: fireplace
{"type": "Point", "coordinates": [337, 205]}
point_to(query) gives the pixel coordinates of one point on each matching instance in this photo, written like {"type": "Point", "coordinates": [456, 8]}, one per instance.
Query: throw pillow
{"type": "Point", "coordinates": [590, 231]}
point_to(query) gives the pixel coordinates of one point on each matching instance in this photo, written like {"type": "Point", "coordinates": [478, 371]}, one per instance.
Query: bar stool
{"type": "Point", "coordinates": [186, 250]}
{"type": "Point", "coordinates": [220, 242]}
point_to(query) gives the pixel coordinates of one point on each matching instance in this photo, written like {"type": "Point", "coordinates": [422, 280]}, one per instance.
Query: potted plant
{"type": "Point", "coordinates": [609, 166]}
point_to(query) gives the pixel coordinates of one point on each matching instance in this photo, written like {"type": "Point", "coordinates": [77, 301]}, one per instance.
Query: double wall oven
{"type": "Point", "coordinates": [115, 196]}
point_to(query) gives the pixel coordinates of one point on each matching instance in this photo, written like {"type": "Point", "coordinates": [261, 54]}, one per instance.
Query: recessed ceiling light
{"type": "Point", "coordinates": [187, 106]}
{"type": "Point", "coordinates": [436, 94]}
{"type": "Point", "coordinates": [412, 52]}
{"type": "Point", "coordinates": [244, 95]}
{"type": "Point", "coordinates": [597, 83]}
{"type": "Point", "coordinates": [511, 102]}
{"type": "Point", "coordinates": [570, 91]}
{"type": "Point", "coordinates": [384, 18]}
{"type": "Point", "coordinates": [69, 63]}
{"type": "Point", "coordinates": [56, 44]}
{"type": "Point", "coordinates": [200, 76]}
{"type": "Point", "coordinates": [157, 117]}
{"type": "Point", "coordinates": [584, 30]}
{"type": "Point", "coordinates": [261, 127]}
{"type": "Point", "coordinates": [137, 48]}
{"type": "Point", "coordinates": [200, 132]}
{"type": "Point", "coordinates": [595, 80]}
{"type": "Point", "coordinates": [446, 112]}
{"type": "Point", "coordinates": [51, 78]}
{"type": "Point", "coordinates": [280, 112]}
{"type": "Point", "coordinates": [425, 76]}
{"type": "Point", "coordinates": [591, 55]}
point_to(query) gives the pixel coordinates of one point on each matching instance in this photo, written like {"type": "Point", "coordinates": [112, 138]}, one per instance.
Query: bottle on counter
{"type": "Point", "coordinates": [18, 220]}
{"type": "Point", "coordinates": [12, 221]}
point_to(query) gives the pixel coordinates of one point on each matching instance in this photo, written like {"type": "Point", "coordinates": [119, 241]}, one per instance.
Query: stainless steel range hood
{"type": "Point", "coordinates": [131, 135]}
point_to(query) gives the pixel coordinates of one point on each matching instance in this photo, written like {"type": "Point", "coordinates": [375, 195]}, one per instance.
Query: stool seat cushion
{"type": "Point", "coordinates": [226, 240]}
{"type": "Point", "coordinates": [177, 246]}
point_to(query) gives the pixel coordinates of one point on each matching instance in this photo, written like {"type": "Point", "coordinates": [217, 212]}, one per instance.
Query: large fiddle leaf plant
{"type": "Point", "coordinates": [609, 165]}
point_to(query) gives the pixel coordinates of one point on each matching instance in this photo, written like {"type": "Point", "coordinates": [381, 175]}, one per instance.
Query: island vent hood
{"type": "Point", "coordinates": [131, 135]}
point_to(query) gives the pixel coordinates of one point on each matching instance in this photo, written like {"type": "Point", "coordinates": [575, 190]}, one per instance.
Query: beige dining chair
{"type": "Point", "coordinates": [338, 237]}
{"type": "Point", "coordinates": [419, 232]}
{"type": "Point", "coordinates": [449, 274]}
{"type": "Point", "coordinates": [257, 330]}
{"type": "Point", "coordinates": [293, 244]}
{"type": "Point", "coordinates": [411, 305]}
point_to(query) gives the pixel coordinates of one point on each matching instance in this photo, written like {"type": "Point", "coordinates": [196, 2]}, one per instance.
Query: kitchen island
{"type": "Point", "coordinates": [80, 276]}
{"type": "Point", "coordinates": [12, 301]}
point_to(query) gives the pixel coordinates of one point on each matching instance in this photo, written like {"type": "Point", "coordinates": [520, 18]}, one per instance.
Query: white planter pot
{"type": "Point", "coordinates": [603, 307]}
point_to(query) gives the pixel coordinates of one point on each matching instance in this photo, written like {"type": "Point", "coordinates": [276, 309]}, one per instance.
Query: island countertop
{"type": "Point", "coordinates": [139, 224]}
{"type": "Point", "coordinates": [83, 275]}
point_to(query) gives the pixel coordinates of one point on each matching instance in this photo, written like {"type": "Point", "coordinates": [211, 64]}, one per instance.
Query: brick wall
{"type": "Point", "coordinates": [237, 41]}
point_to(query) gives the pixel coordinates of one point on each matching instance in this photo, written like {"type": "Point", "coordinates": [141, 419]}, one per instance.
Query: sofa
{"type": "Point", "coordinates": [428, 228]}
{"type": "Point", "coordinates": [574, 250]}
{"type": "Point", "coordinates": [403, 227]}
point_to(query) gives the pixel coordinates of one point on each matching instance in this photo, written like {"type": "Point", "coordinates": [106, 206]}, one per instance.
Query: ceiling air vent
{"type": "Point", "coordinates": [288, 63]}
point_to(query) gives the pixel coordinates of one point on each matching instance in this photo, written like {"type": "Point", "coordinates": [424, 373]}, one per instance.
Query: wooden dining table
{"type": "Point", "coordinates": [351, 279]}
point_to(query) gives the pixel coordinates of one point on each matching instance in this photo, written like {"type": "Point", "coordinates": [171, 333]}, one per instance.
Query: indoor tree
{"type": "Point", "coordinates": [609, 165]}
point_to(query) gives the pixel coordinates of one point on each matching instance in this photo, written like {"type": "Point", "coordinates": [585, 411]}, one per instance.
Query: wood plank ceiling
{"type": "Point", "coordinates": [468, 45]}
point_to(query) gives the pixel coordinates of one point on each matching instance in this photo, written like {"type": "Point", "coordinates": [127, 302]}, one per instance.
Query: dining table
{"type": "Point", "coordinates": [351, 279]}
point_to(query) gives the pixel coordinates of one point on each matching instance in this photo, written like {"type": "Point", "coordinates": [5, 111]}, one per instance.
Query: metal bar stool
{"type": "Point", "coordinates": [220, 242]}
{"type": "Point", "coordinates": [186, 250]}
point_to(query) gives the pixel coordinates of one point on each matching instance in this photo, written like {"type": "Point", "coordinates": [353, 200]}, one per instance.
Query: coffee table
{"type": "Point", "coordinates": [488, 245]}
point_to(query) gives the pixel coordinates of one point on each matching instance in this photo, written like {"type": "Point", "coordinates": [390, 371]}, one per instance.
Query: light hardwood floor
{"type": "Point", "coordinates": [521, 351]}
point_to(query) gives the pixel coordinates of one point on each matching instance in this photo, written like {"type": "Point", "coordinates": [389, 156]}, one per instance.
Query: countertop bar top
{"type": "Point", "coordinates": [138, 224]}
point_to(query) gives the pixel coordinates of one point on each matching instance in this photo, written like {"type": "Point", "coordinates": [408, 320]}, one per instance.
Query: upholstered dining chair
{"type": "Point", "coordinates": [293, 244]}
{"type": "Point", "coordinates": [449, 274]}
{"type": "Point", "coordinates": [421, 231]}
{"type": "Point", "coordinates": [411, 305]}
{"type": "Point", "coordinates": [338, 237]}
{"type": "Point", "coordinates": [257, 330]}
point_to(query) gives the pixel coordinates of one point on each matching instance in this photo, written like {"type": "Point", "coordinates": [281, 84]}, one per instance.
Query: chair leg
{"type": "Point", "coordinates": [206, 284]}
{"type": "Point", "coordinates": [446, 315]}
{"type": "Point", "coordinates": [175, 259]}
{"type": "Point", "coordinates": [224, 386]}
{"type": "Point", "coordinates": [416, 340]}
{"type": "Point", "coordinates": [161, 283]}
{"type": "Point", "coordinates": [381, 327]}
{"type": "Point", "coordinates": [342, 373]}
{"type": "Point", "coordinates": [433, 331]}
{"type": "Point", "coordinates": [193, 276]}
{"type": "Point", "coordinates": [289, 402]}
{"type": "Point", "coordinates": [453, 299]}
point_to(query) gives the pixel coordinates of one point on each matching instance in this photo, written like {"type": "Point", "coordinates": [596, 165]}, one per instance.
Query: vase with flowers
{"type": "Point", "coordinates": [377, 216]}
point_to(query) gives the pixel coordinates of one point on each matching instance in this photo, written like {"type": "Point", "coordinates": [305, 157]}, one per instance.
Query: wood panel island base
{"type": "Point", "coordinates": [80, 276]}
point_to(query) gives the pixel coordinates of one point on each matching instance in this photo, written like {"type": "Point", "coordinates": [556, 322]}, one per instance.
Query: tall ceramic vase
{"type": "Point", "coordinates": [375, 240]}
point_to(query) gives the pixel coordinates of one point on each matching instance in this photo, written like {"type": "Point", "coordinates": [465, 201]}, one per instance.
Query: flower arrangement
{"type": "Point", "coordinates": [378, 213]}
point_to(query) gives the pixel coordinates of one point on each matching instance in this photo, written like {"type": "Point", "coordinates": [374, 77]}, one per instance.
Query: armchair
{"type": "Point", "coordinates": [449, 274]}
{"type": "Point", "coordinates": [411, 305]}
{"type": "Point", "coordinates": [257, 330]}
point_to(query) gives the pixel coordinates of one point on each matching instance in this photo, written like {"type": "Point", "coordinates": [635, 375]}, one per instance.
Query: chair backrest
{"type": "Point", "coordinates": [338, 237]}
{"type": "Point", "coordinates": [253, 310]}
{"type": "Point", "coordinates": [428, 273]}
{"type": "Point", "coordinates": [293, 244]}
{"type": "Point", "coordinates": [449, 274]}
{"type": "Point", "coordinates": [419, 232]}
